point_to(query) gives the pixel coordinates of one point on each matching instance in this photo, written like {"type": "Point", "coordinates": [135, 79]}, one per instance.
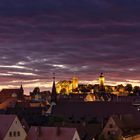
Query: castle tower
{"type": "Point", "coordinates": [53, 94]}
{"type": "Point", "coordinates": [74, 82]}
{"type": "Point", "coordinates": [101, 82]}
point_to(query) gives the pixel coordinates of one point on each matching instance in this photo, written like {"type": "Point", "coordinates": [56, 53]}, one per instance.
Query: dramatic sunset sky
{"type": "Point", "coordinates": [69, 37]}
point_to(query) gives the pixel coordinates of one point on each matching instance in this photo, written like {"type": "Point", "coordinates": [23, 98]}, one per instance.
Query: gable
{"type": "Point", "coordinates": [5, 123]}
{"type": "Point", "coordinates": [76, 136]}
{"type": "Point", "coordinates": [16, 131]}
{"type": "Point", "coordinates": [111, 126]}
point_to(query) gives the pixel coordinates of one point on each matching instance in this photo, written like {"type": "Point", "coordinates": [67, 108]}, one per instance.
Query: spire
{"type": "Point", "coordinates": [21, 87]}
{"type": "Point", "coordinates": [54, 94]}
{"type": "Point", "coordinates": [21, 92]}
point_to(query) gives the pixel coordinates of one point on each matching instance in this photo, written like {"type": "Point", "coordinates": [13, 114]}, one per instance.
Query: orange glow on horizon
{"type": "Point", "coordinates": [29, 85]}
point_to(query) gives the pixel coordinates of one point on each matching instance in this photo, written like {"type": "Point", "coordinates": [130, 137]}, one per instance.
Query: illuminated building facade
{"type": "Point", "coordinates": [67, 87]}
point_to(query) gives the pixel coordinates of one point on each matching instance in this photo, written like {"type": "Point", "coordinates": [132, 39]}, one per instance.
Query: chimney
{"type": "Point", "coordinates": [58, 131]}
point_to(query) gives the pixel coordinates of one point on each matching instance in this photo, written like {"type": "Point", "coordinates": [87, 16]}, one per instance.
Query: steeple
{"type": "Point", "coordinates": [54, 94]}
{"type": "Point", "coordinates": [21, 92]}
{"type": "Point", "coordinates": [21, 87]}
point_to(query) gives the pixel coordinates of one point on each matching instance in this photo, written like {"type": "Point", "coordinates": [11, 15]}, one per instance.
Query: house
{"type": "Point", "coordinates": [86, 131]}
{"type": "Point", "coordinates": [17, 93]}
{"type": "Point", "coordinates": [52, 133]}
{"type": "Point", "coordinates": [32, 115]}
{"type": "Point", "coordinates": [71, 97]}
{"type": "Point", "coordinates": [11, 128]}
{"type": "Point", "coordinates": [122, 127]}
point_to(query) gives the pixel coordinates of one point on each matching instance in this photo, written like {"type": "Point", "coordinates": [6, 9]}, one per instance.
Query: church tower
{"type": "Point", "coordinates": [53, 94]}
{"type": "Point", "coordinates": [74, 82]}
{"type": "Point", "coordinates": [21, 93]}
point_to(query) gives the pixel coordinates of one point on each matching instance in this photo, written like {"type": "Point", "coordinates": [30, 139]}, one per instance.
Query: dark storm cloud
{"type": "Point", "coordinates": [85, 37]}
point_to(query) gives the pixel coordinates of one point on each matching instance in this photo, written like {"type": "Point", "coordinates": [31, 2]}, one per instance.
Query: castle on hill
{"type": "Point", "coordinates": [67, 87]}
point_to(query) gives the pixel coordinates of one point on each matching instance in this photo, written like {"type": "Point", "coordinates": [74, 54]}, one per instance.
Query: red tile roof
{"type": "Point", "coordinates": [8, 103]}
{"type": "Point", "coordinates": [51, 133]}
{"type": "Point", "coordinates": [5, 123]}
{"type": "Point", "coordinates": [7, 93]}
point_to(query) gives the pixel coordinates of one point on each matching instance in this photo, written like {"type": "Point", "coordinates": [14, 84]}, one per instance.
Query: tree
{"type": "Point", "coordinates": [36, 90]}
{"type": "Point", "coordinates": [108, 89]}
{"type": "Point", "coordinates": [101, 137]}
{"type": "Point", "coordinates": [128, 88]}
{"type": "Point", "coordinates": [136, 89]}
{"type": "Point", "coordinates": [120, 88]}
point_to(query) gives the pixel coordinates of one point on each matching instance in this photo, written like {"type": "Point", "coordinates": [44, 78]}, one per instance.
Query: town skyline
{"type": "Point", "coordinates": [69, 38]}
{"type": "Point", "coordinates": [46, 85]}
{"type": "Point", "coordinates": [69, 69]}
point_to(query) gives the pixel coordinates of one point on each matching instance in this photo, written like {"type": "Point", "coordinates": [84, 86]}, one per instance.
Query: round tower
{"type": "Point", "coordinates": [101, 80]}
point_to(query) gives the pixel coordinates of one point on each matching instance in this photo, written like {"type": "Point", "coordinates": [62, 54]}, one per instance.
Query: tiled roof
{"type": "Point", "coordinates": [51, 133]}
{"type": "Point", "coordinates": [129, 124]}
{"type": "Point", "coordinates": [91, 109]}
{"type": "Point", "coordinates": [5, 123]}
{"type": "Point", "coordinates": [86, 131]}
{"type": "Point", "coordinates": [10, 102]}
{"type": "Point", "coordinates": [7, 93]}
{"type": "Point", "coordinates": [127, 121]}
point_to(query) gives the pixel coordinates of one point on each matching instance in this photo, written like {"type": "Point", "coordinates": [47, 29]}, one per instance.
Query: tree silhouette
{"type": "Point", "coordinates": [128, 88]}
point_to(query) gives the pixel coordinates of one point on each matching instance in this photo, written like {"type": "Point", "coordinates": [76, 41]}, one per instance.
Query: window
{"type": "Point", "coordinates": [14, 133]}
{"type": "Point", "coordinates": [18, 133]}
{"type": "Point", "coordinates": [110, 126]}
{"type": "Point", "coordinates": [113, 132]}
{"type": "Point", "coordinates": [10, 134]}
{"type": "Point", "coordinates": [108, 133]}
